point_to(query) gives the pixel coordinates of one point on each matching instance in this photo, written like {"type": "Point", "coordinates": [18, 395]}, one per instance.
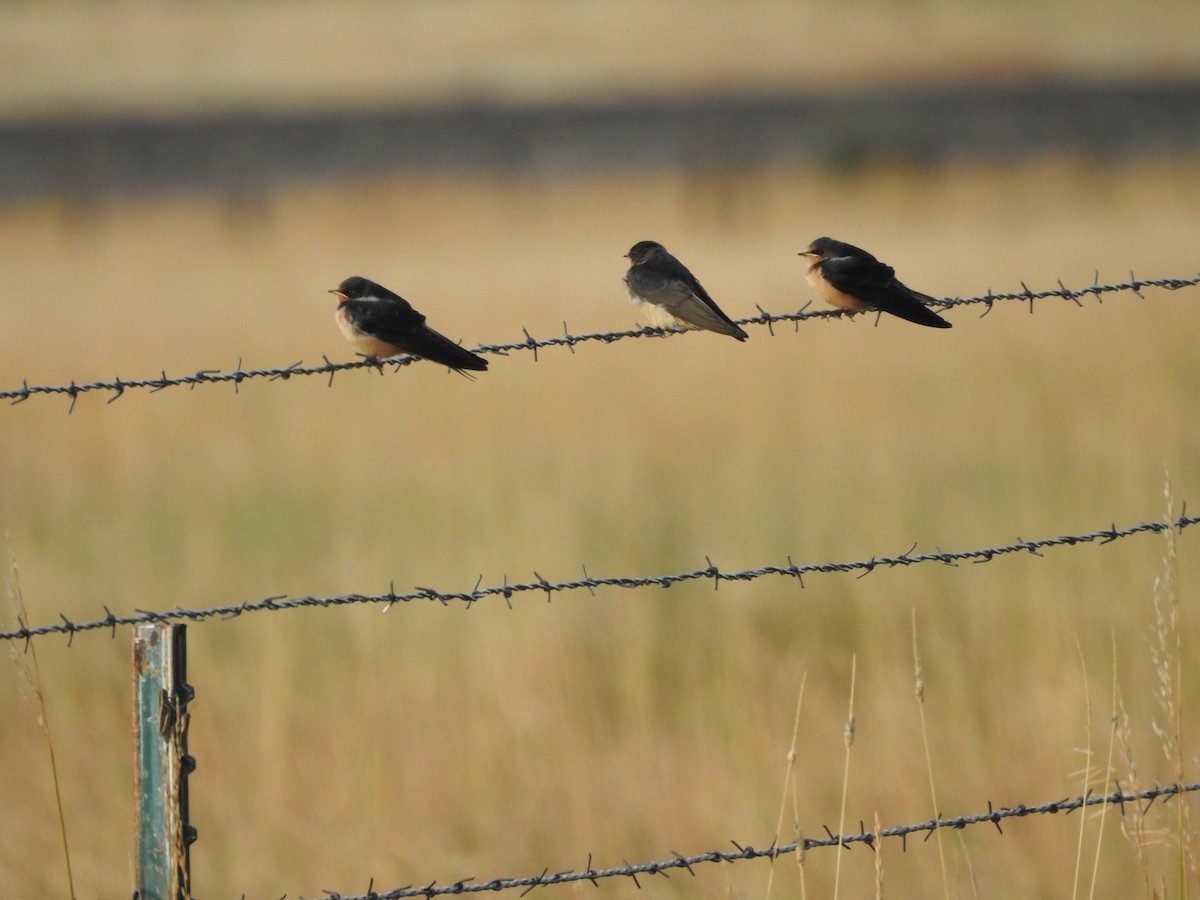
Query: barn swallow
{"type": "Point", "coordinates": [382, 324]}
{"type": "Point", "coordinates": [670, 294]}
{"type": "Point", "coordinates": [851, 278]}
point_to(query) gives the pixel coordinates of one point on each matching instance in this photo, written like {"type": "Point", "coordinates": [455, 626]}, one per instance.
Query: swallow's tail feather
{"type": "Point", "coordinates": [712, 323]}
{"type": "Point", "coordinates": [911, 307]}
{"type": "Point", "coordinates": [437, 348]}
{"type": "Point", "coordinates": [732, 330]}
{"type": "Point", "coordinates": [920, 314]}
{"type": "Point", "coordinates": [701, 315]}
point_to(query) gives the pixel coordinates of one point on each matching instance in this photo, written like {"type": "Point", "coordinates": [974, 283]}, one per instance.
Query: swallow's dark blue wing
{"type": "Point", "coordinates": [850, 275]}
{"type": "Point", "coordinates": [670, 284]}
{"type": "Point", "coordinates": [875, 284]}
{"type": "Point", "coordinates": [389, 320]}
{"type": "Point", "coordinates": [397, 323]}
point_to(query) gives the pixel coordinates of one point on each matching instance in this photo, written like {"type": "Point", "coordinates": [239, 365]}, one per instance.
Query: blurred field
{"type": "Point", "coordinates": [431, 743]}
{"type": "Point", "coordinates": [81, 57]}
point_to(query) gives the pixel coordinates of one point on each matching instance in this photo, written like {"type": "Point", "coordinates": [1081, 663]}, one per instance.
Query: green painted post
{"type": "Point", "coordinates": [161, 696]}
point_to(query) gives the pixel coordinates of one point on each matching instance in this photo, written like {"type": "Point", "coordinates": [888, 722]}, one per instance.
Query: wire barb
{"type": "Point", "coordinates": [679, 861]}
{"type": "Point", "coordinates": [507, 591]}
{"type": "Point", "coordinates": [284, 373]}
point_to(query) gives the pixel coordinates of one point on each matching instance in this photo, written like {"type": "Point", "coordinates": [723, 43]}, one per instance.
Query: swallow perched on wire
{"type": "Point", "coordinates": [851, 278]}
{"type": "Point", "coordinates": [382, 324]}
{"type": "Point", "coordinates": [670, 294]}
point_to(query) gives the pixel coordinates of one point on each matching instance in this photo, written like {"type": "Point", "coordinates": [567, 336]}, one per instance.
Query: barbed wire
{"type": "Point", "coordinates": [470, 886]}
{"type": "Point", "coordinates": [588, 583]}
{"type": "Point", "coordinates": [118, 386]}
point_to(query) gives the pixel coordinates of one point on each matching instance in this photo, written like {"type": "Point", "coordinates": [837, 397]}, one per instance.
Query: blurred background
{"type": "Point", "coordinates": [182, 183]}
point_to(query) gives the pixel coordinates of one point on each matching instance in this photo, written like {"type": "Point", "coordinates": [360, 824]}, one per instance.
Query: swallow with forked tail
{"type": "Point", "coordinates": [671, 295]}
{"type": "Point", "coordinates": [851, 278]}
{"type": "Point", "coordinates": [381, 324]}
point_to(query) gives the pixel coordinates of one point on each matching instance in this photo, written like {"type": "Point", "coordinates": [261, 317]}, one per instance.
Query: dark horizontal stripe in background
{"type": "Point", "coordinates": [246, 151]}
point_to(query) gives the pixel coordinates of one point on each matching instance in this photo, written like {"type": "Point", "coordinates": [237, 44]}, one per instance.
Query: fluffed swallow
{"type": "Point", "coordinates": [670, 294]}
{"type": "Point", "coordinates": [851, 278]}
{"type": "Point", "coordinates": [382, 324]}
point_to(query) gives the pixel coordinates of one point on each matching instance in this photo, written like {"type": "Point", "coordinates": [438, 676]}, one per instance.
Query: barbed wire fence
{"type": "Point", "coordinates": [110, 621]}
{"type": "Point", "coordinates": [118, 386]}
{"type": "Point", "coordinates": [1117, 798]}
{"type": "Point", "coordinates": [25, 632]}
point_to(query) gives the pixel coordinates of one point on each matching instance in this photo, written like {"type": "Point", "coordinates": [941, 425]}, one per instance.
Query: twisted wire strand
{"type": "Point", "coordinates": [662, 867]}
{"type": "Point", "coordinates": [506, 590]}
{"type": "Point", "coordinates": [118, 386]}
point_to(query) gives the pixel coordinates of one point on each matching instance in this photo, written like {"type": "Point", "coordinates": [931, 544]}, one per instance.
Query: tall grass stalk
{"type": "Point", "coordinates": [849, 739]}
{"type": "Point", "coordinates": [1108, 766]}
{"type": "Point", "coordinates": [1134, 826]}
{"type": "Point", "coordinates": [30, 679]}
{"type": "Point", "coordinates": [919, 692]}
{"type": "Point", "coordinates": [878, 858]}
{"type": "Point", "coordinates": [789, 785]}
{"type": "Point", "coordinates": [1167, 653]}
{"type": "Point", "coordinates": [1087, 762]}
{"type": "Point", "coordinates": [966, 857]}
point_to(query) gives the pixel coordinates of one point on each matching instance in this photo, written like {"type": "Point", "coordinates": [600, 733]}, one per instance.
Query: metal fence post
{"type": "Point", "coordinates": [161, 695]}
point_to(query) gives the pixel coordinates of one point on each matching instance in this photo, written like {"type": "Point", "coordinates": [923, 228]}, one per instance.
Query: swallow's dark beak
{"type": "Point", "coordinates": [340, 294]}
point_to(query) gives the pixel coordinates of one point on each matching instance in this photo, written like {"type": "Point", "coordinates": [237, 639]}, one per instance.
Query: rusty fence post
{"type": "Point", "coordinates": [161, 695]}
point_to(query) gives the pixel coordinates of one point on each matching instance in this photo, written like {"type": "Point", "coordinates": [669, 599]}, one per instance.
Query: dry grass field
{"type": "Point", "coordinates": [344, 745]}
{"type": "Point", "coordinates": [437, 743]}
{"type": "Point", "coordinates": [82, 57]}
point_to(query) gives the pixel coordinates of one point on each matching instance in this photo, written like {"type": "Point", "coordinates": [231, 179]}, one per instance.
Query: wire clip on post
{"type": "Point", "coordinates": [162, 764]}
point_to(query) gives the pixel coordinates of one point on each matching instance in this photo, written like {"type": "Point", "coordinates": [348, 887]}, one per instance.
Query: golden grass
{"type": "Point", "coordinates": [789, 792]}
{"type": "Point", "coordinates": [29, 681]}
{"type": "Point", "coordinates": [848, 740]}
{"type": "Point", "coordinates": [936, 809]}
{"type": "Point", "coordinates": [335, 746]}
{"type": "Point", "coordinates": [142, 56]}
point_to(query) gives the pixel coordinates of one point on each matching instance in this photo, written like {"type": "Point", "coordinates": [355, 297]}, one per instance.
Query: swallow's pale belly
{"type": "Point", "coordinates": [829, 293]}
{"type": "Point", "coordinates": [364, 343]}
{"type": "Point", "coordinates": [657, 316]}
